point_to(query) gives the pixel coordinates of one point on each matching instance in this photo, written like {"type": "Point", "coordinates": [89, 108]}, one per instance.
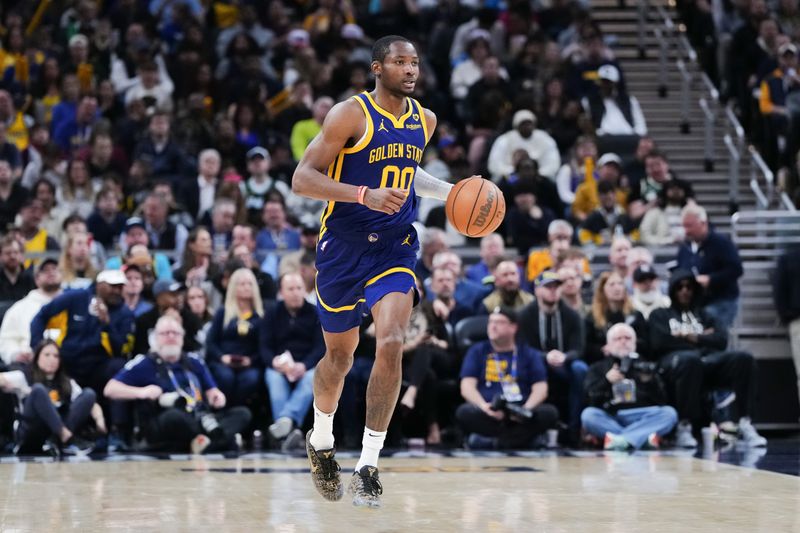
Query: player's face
{"type": "Point", "coordinates": [400, 69]}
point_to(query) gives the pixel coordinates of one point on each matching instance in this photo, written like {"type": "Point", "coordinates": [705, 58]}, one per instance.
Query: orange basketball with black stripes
{"type": "Point", "coordinates": [475, 207]}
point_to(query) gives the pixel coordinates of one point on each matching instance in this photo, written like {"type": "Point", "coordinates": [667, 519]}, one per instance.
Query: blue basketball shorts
{"type": "Point", "coordinates": [355, 270]}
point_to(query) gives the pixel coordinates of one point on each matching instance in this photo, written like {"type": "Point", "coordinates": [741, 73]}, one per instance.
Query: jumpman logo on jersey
{"type": "Point", "coordinates": [382, 127]}
{"type": "Point", "coordinates": [406, 241]}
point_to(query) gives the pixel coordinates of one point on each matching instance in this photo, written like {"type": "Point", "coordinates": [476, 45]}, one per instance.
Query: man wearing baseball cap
{"type": "Point", "coordinates": [612, 111]}
{"type": "Point", "coordinates": [136, 234]}
{"type": "Point", "coordinates": [260, 185]}
{"type": "Point", "coordinates": [96, 329]}
{"type": "Point", "coordinates": [166, 294]}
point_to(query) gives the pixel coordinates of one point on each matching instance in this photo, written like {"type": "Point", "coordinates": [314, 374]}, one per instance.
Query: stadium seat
{"type": "Point", "coordinates": [469, 331]}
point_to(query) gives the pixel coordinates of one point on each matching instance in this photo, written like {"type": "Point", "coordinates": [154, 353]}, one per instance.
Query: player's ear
{"type": "Point", "coordinates": [376, 69]}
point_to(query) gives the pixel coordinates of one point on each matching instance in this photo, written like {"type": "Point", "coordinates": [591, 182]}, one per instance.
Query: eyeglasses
{"type": "Point", "coordinates": [170, 333]}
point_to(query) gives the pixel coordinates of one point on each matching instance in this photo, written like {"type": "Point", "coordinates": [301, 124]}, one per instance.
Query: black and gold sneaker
{"type": "Point", "coordinates": [324, 471]}
{"type": "Point", "coordinates": [366, 488]}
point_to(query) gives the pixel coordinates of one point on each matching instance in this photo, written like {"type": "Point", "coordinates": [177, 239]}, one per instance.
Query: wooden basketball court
{"type": "Point", "coordinates": [522, 492]}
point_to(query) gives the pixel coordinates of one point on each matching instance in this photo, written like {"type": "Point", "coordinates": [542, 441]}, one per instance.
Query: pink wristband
{"type": "Point", "coordinates": [362, 192]}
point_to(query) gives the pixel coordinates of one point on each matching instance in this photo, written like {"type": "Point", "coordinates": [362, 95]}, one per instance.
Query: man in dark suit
{"type": "Point", "coordinates": [197, 195]}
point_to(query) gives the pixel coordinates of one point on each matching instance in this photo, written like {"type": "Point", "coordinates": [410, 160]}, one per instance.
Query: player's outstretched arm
{"type": "Point", "coordinates": [344, 122]}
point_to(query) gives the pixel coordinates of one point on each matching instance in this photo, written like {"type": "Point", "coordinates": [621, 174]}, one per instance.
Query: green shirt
{"type": "Point", "coordinates": [303, 133]}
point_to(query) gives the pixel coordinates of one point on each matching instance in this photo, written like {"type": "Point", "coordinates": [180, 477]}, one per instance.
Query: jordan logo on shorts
{"type": "Point", "coordinates": [382, 127]}
{"type": "Point", "coordinates": [406, 241]}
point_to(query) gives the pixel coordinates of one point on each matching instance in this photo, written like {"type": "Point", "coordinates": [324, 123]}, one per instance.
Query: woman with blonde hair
{"type": "Point", "coordinates": [611, 305]}
{"type": "Point", "coordinates": [75, 262]}
{"type": "Point", "coordinates": [233, 339]}
{"type": "Point", "coordinates": [77, 194]}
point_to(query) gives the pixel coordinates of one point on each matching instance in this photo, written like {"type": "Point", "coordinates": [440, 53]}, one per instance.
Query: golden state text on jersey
{"type": "Point", "coordinates": [387, 155]}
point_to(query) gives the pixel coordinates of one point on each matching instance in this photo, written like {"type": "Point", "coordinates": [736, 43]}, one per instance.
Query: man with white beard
{"type": "Point", "coordinates": [647, 295]}
{"type": "Point", "coordinates": [178, 395]}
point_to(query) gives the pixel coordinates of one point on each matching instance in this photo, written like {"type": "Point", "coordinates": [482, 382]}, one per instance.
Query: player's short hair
{"type": "Point", "coordinates": [381, 46]}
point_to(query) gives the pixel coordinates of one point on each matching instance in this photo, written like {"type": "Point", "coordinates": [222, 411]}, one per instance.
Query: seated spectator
{"type": "Point", "coordinates": [197, 303]}
{"type": "Point", "coordinates": [151, 88]}
{"type": "Point", "coordinates": [611, 305]}
{"type": "Point", "coordinates": [612, 110]}
{"type": "Point", "coordinates": [52, 214]}
{"type": "Point", "coordinates": [165, 158]}
{"type": "Point", "coordinates": [75, 263]}
{"type": "Point", "coordinates": [608, 219]}
{"type": "Point", "coordinates": [524, 136]}
{"type": "Point", "coordinates": [560, 114]}
{"type": "Point", "coordinates": [220, 222]}
{"type": "Point", "coordinates": [197, 266]}
{"type": "Point", "coordinates": [468, 71]}
{"type": "Point", "coordinates": [232, 344]}
{"type": "Point", "coordinates": [637, 256]}
{"type": "Point", "coordinates": [490, 93]}
{"type": "Point", "coordinates": [492, 248]}
{"type": "Point", "coordinates": [609, 169]}
{"type": "Point", "coordinates": [94, 326]}
{"type": "Point", "coordinates": [168, 300]}
{"type": "Point", "coordinates": [55, 408]}
{"type": "Point", "coordinates": [178, 394]}
{"type": "Point", "coordinates": [528, 219]}
{"type": "Point", "coordinates": [507, 291]}
{"type": "Point", "coordinates": [162, 234]}
{"type": "Point", "coordinates": [176, 212]}
{"type": "Point", "coordinates": [690, 343]}
{"type": "Point", "coordinates": [527, 171]}
{"type": "Point", "coordinates": [104, 160]}
{"type": "Point", "coordinates": [658, 174]}
{"type": "Point", "coordinates": [76, 225]}
{"type": "Point", "coordinates": [304, 131]}
{"type": "Point", "coordinates": [572, 174]}
{"type": "Point", "coordinates": [550, 326]}
{"type": "Point", "coordinates": [777, 99]}
{"type": "Point", "coordinates": [10, 153]}
{"type": "Point", "coordinates": [290, 262]}
{"type": "Point", "coordinates": [291, 345]}
{"type": "Point", "coordinates": [277, 235]}
{"type": "Point", "coordinates": [446, 304]}
{"type": "Point", "coordinates": [426, 362]}
{"type": "Point", "coordinates": [502, 370]}
{"type": "Point", "coordinates": [662, 224]}
{"type": "Point", "coordinates": [132, 292]}
{"type": "Point", "coordinates": [12, 194]}
{"type": "Point", "coordinates": [618, 256]}
{"type": "Point", "coordinates": [431, 242]}
{"type": "Point", "coordinates": [37, 239]}
{"type": "Point", "coordinates": [260, 186]}
{"type": "Point", "coordinates": [559, 235]}
{"type": "Point", "coordinates": [626, 397]}
{"type": "Point", "coordinates": [636, 168]}
{"type": "Point", "coordinates": [467, 292]}
{"type": "Point", "coordinates": [75, 133]}
{"type": "Point", "coordinates": [571, 279]}
{"type": "Point", "coordinates": [266, 285]}
{"type": "Point", "coordinates": [714, 259]}
{"type": "Point", "coordinates": [106, 222]}
{"type": "Point", "coordinates": [15, 332]}
{"type": "Point", "coordinates": [647, 295]}
{"type": "Point", "coordinates": [15, 281]}
{"type": "Point", "coordinates": [198, 194]}
{"type": "Point", "coordinates": [135, 241]}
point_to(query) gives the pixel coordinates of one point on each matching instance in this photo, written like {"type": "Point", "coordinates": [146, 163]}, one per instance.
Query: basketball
{"type": "Point", "coordinates": [475, 207]}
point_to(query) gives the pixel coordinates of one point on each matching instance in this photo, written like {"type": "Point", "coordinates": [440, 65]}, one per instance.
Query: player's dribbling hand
{"type": "Point", "coordinates": [387, 200]}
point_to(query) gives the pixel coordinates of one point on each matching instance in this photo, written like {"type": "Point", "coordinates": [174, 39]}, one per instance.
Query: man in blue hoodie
{"type": "Point", "coordinates": [95, 329]}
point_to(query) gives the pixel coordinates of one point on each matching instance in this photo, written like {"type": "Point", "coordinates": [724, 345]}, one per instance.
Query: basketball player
{"type": "Point", "coordinates": [365, 163]}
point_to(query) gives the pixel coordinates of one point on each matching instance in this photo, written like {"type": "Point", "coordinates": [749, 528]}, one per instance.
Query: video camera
{"type": "Point", "coordinates": [630, 365]}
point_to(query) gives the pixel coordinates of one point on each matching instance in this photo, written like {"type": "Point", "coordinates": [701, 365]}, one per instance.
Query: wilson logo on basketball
{"type": "Point", "coordinates": [483, 211]}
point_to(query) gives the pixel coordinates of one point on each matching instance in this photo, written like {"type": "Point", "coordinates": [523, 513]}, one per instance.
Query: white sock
{"type": "Point", "coordinates": [372, 443]}
{"type": "Point", "coordinates": [322, 436]}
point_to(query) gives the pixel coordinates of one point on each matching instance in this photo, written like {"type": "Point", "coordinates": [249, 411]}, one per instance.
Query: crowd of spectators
{"type": "Point", "coordinates": [149, 227]}
{"type": "Point", "coordinates": [749, 50]}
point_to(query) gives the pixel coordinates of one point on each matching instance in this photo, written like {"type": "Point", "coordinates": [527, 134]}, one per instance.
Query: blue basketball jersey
{"type": "Point", "coordinates": [387, 155]}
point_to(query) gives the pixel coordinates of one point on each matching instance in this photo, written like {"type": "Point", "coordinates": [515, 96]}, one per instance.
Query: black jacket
{"type": "Point", "coordinates": [596, 335]}
{"type": "Point", "coordinates": [786, 286]}
{"type": "Point", "coordinates": [666, 325]}
{"type": "Point", "coordinates": [649, 386]}
{"type": "Point", "coordinates": [571, 330]}
{"type": "Point", "coordinates": [718, 257]}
